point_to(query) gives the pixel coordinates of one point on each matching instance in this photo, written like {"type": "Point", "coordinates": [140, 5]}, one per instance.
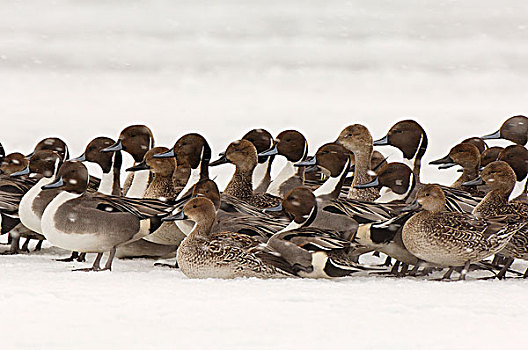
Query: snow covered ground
{"type": "Point", "coordinates": [80, 69]}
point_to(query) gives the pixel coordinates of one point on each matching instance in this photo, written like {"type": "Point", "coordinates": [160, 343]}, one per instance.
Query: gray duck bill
{"type": "Point", "coordinates": [118, 146]}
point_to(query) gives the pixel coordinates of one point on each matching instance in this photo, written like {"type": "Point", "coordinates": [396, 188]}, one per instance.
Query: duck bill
{"type": "Point", "coordinates": [30, 155]}
{"type": "Point", "coordinates": [57, 184]}
{"type": "Point", "coordinates": [446, 166]}
{"type": "Point", "coordinates": [139, 167]}
{"type": "Point", "coordinates": [311, 169]}
{"type": "Point", "coordinates": [382, 142]}
{"type": "Point", "coordinates": [222, 160]}
{"type": "Point", "coordinates": [476, 182]}
{"type": "Point", "coordinates": [273, 209]}
{"type": "Point", "coordinates": [445, 160]}
{"type": "Point", "coordinates": [176, 217]}
{"type": "Point", "coordinates": [24, 171]}
{"type": "Point", "coordinates": [411, 207]}
{"type": "Point", "coordinates": [494, 136]}
{"type": "Point", "coordinates": [309, 162]}
{"type": "Point", "coordinates": [118, 146]}
{"type": "Point", "coordinates": [270, 152]}
{"type": "Point", "coordinates": [168, 154]}
{"type": "Point", "coordinates": [81, 158]}
{"type": "Point", "coordinates": [373, 183]}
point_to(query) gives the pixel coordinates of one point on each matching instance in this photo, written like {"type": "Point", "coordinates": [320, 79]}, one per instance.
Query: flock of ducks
{"type": "Point", "coordinates": [315, 219]}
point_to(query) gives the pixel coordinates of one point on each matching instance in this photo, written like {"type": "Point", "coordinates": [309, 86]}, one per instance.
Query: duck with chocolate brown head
{"type": "Point", "coordinates": [109, 162]}
{"type": "Point", "coordinates": [136, 140]}
{"type": "Point", "coordinates": [356, 138]}
{"type": "Point", "coordinates": [514, 129]}
{"type": "Point", "coordinates": [395, 181]}
{"type": "Point", "coordinates": [262, 140]}
{"type": "Point", "coordinates": [477, 142]}
{"type": "Point", "coordinates": [192, 153]}
{"type": "Point", "coordinates": [410, 138]}
{"type": "Point", "coordinates": [52, 144]}
{"type": "Point", "coordinates": [292, 145]}
{"type": "Point", "coordinates": [517, 158]}
{"type": "Point", "coordinates": [334, 161]}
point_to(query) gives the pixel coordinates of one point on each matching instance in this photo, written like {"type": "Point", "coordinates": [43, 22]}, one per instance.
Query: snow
{"type": "Point", "coordinates": [83, 69]}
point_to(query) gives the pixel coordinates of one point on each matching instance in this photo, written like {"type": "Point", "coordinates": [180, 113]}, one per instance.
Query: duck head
{"type": "Point", "coordinates": [13, 162]}
{"type": "Point", "coordinates": [160, 166]}
{"type": "Point", "coordinates": [200, 210]}
{"type": "Point", "coordinates": [464, 154]}
{"type": "Point", "coordinates": [517, 158]}
{"type": "Point", "coordinates": [290, 144]}
{"type": "Point", "coordinates": [299, 204]}
{"type": "Point", "coordinates": [514, 129]}
{"type": "Point", "coordinates": [497, 176]}
{"type": "Point", "coordinates": [395, 176]}
{"type": "Point", "coordinates": [408, 136]}
{"type": "Point", "coordinates": [208, 189]}
{"type": "Point", "coordinates": [242, 153]}
{"type": "Point", "coordinates": [45, 163]}
{"type": "Point", "coordinates": [106, 160]}
{"type": "Point", "coordinates": [52, 144]}
{"type": "Point", "coordinates": [430, 198]}
{"type": "Point", "coordinates": [136, 140]}
{"type": "Point", "coordinates": [72, 177]}
{"type": "Point", "coordinates": [262, 140]}
{"type": "Point", "coordinates": [356, 138]}
{"type": "Point", "coordinates": [477, 142]}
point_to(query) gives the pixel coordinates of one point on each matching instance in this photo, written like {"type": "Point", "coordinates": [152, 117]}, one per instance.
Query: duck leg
{"type": "Point", "coordinates": [81, 257]}
{"type": "Point", "coordinates": [502, 273]}
{"type": "Point", "coordinates": [525, 274]}
{"type": "Point", "coordinates": [403, 270]}
{"type": "Point", "coordinates": [15, 244]}
{"type": "Point", "coordinates": [464, 271]}
{"type": "Point", "coordinates": [25, 246]}
{"type": "Point", "coordinates": [394, 270]}
{"type": "Point", "coordinates": [108, 265]}
{"type": "Point", "coordinates": [96, 264]}
{"type": "Point", "coordinates": [38, 247]}
{"type": "Point", "coordinates": [415, 269]}
{"type": "Point", "coordinates": [388, 261]}
{"type": "Point", "coordinates": [447, 275]}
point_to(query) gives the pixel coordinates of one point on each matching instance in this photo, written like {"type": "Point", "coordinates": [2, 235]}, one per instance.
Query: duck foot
{"type": "Point", "coordinates": [175, 266]}
{"type": "Point", "coordinates": [464, 272]}
{"type": "Point", "coordinates": [81, 257]}
{"type": "Point", "coordinates": [403, 271]}
{"type": "Point", "coordinates": [388, 262]}
{"type": "Point", "coordinates": [502, 273]}
{"type": "Point", "coordinates": [95, 267]}
{"type": "Point", "coordinates": [73, 256]}
{"type": "Point", "coordinates": [25, 246]}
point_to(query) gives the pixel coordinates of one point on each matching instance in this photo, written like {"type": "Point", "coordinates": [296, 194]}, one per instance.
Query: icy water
{"type": "Point", "coordinates": [80, 69]}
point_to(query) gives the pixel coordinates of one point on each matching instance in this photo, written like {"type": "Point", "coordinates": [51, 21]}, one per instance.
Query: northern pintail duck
{"type": "Point", "coordinates": [500, 178]}
{"type": "Point", "coordinates": [262, 140]}
{"type": "Point", "coordinates": [192, 154]}
{"type": "Point", "coordinates": [514, 129]}
{"type": "Point", "coordinates": [206, 254]}
{"type": "Point", "coordinates": [84, 221]}
{"type": "Point", "coordinates": [357, 139]}
{"type": "Point", "coordinates": [52, 144]}
{"type": "Point", "coordinates": [293, 146]}
{"type": "Point", "coordinates": [136, 140]}
{"type": "Point", "coordinates": [243, 155]}
{"type": "Point", "coordinates": [477, 142]}
{"type": "Point", "coordinates": [450, 239]}
{"type": "Point", "coordinates": [395, 181]}
{"type": "Point", "coordinates": [468, 157]}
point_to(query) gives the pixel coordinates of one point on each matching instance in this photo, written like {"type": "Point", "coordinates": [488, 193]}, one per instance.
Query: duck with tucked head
{"type": "Point", "coordinates": [92, 222]}
{"type": "Point", "coordinates": [517, 158]}
{"type": "Point", "coordinates": [490, 155]}
{"type": "Point", "coordinates": [206, 254]}
{"type": "Point", "coordinates": [243, 155]}
{"type": "Point", "coordinates": [500, 178]}
{"type": "Point", "coordinates": [450, 239]}
{"type": "Point", "coordinates": [293, 146]}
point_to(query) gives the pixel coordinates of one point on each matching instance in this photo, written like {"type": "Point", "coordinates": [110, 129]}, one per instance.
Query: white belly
{"type": "Point", "coordinates": [25, 210]}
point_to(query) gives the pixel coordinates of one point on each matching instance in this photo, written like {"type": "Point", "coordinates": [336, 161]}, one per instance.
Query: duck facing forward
{"type": "Point", "coordinates": [204, 254]}
{"type": "Point", "coordinates": [450, 239]}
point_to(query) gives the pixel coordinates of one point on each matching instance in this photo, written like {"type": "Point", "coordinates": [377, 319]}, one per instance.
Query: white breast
{"type": "Point", "coordinates": [193, 179]}
{"type": "Point", "coordinates": [286, 173]}
{"type": "Point", "coordinates": [518, 189]}
{"type": "Point", "coordinates": [25, 209]}
{"type": "Point", "coordinates": [260, 173]}
{"type": "Point", "coordinates": [107, 182]}
{"type": "Point", "coordinates": [139, 184]}
{"type": "Point", "coordinates": [52, 234]}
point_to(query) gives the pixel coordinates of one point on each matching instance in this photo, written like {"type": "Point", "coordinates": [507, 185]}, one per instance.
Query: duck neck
{"type": "Point", "coordinates": [262, 175]}
{"type": "Point", "coordinates": [468, 173]}
{"type": "Point", "coordinates": [331, 188]}
{"type": "Point", "coordinates": [287, 172]}
{"type": "Point", "coordinates": [202, 228]}
{"type": "Point", "coordinates": [194, 178]}
{"type": "Point", "coordinates": [161, 187]}
{"type": "Point", "coordinates": [140, 182]}
{"type": "Point", "coordinates": [492, 202]}
{"type": "Point", "coordinates": [241, 184]}
{"type": "Point", "coordinates": [361, 176]}
{"type": "Point", "coordinates": [111, 180]}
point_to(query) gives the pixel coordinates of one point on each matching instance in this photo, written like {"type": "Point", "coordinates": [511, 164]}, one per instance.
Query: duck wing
{"type": "Point", "coordinates": [141, 208]}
